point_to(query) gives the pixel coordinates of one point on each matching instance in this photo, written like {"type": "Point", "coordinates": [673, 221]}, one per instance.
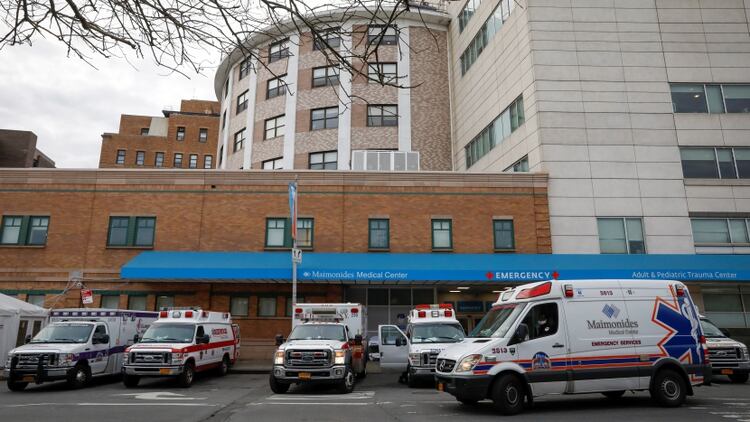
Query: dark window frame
{"type": "Point", "coordinates": [323, 165]}
{"type": "Point", "coordinates": [387, 229]}
{"type": "Point", "coordinates": [287, 243]}
{"type": "Point", "coordinates": [140, 158]}
{"type": "Point", "coordinates": [131, 232]}
{"type": "Point", "coordinates": [273, 161]}
{"type": "Point", "coordinates": [239, 143]}
{"type": "Point", "coordinates": [277, 91]}
{"type": "Point", "coordinates": [379, 71]}
{"type": "Point", "coordinates": [144, 131]}
{"type": "Point", "coordinates": [450, 233]}
{"type": "Point", "coordinates": [208, 161]}
{"type": "Point", "coordinates": [330, 76]}
{"type": "Point", "coordinates": [203, 135]}
{"type": "Point", "coordinates": [282, 52]}
{"type": "Point", "coordinates": [381, 37]}
{"type": "Point", "coordinates": [277, 130]}
{"type": "Point", "coordinates": [273, 296]}
{"type": "Point", "coordinates": [193, 161]}
{"type": "Point", "coordinates": [328, 122]}
{"type": "Point", "coordinates": [325, 40]}
{"type": "Point", "coordinates": [121, 156]}
{"type": "Point", "coordinates": [24, 230]}
{"type": "Point", "coordinates": [175, 162]}
{"type": "Point", "coordinates": [245, 67]}
{"type": "Point", "coordinates": [242, 101]}
{"type": "Point", "coordinates": [158, 155]}
{"type": "Point", "coordinates": [392, 119]}
{"type": "Point", "coordinates": [628, 248]}
{"type": "Point", "coordinates": [495, 222]}
{"type": "Point", "coordinates": [181, 133]}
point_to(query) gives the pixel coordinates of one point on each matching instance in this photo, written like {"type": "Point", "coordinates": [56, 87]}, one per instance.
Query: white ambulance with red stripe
{"type": "Point", "coordinates": [582, 336]}
{"type": "Point", "coordinates": [180, 343]}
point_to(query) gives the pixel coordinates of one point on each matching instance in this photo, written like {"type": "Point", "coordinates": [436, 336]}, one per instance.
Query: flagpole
{"type": "Point", "coordinates": [293, 205]}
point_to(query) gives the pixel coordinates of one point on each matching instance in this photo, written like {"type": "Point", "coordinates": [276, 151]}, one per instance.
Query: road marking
{"type": "Point", "coordinates": [307, 403]}
{"type": "Point", "coordinates": [106, 404]}
{"type": "Point", "coordinates": [160, 395]}
{"type": "Point", "coordinates": [361, 395]}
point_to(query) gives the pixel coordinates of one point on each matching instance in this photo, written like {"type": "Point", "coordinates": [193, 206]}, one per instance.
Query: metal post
{"type": "Point", "coordinates": [294, 276]}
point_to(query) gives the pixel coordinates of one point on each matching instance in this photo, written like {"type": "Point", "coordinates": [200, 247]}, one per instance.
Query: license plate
{"type": "Point", "coordinates": [165, 371]}
{"type": "Point", "coordinates": [27, 378]}
{"type": "Point", "coordinates": [440, 386]}
{"type": "Point", "coordinates": [727, 371]}
{"type": "Point", "coordinates": [305, 375]}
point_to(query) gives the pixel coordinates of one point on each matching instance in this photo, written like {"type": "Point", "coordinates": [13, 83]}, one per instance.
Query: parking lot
{"type": "Point", "coordinates": [242, 397]}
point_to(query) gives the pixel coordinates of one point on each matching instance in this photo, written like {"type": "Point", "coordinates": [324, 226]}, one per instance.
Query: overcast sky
{"type": "Point", "coordinates": [69, 104]}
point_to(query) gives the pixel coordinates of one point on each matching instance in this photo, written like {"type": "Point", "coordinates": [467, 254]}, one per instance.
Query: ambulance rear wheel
{"type": "Point", "coordinates": [739, 378]}
{"type": "Point", "coordinates": [16, 385]}
{"type": "Point", "coordinates": [223, 368]}
{"type": "Point", "coordinates": [614, 394]}
{"type": "Point", "coordinates": [185, 379]}
{"type": "Point", "coordinates": [508, 394]}
{"type": "Point", "coordinates": [131, 381]}
{"type": "Point", "coordinates": [277, 387]}
{"type": "Point", "coordinates": [668, 388]}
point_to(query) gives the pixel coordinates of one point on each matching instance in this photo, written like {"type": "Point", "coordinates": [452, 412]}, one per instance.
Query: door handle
{"type": "Point", "coordinates": [558, 345]}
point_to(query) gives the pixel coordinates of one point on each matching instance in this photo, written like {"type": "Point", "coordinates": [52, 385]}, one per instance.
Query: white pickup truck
{"type": "Point", "coordinates": [728, 357]}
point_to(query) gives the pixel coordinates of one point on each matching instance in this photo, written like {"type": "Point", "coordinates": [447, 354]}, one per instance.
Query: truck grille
{"type": "Point", "coordinates": [445, 365]}
{"type": "Point", "coordinates": [429, 359]}
{"type": "Point", "coordinates": [31, 360]}
{"type": "Point", "coordinates": [724, 357]}
{"type": "Point", "coordinates": [150, 357]}
{"type": "Point", "coordinates": [308, 358]}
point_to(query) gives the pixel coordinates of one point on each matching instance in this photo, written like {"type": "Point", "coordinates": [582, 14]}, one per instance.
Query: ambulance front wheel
{"type": "Point", "coordinates": [185, 379]}
{"type": "Point", "coordinates": [614, 394]}
{"type": "Point", "coordinates": [79, 376]}
{"type": "Point", "coordinates": [739, 378]}
{"type": "Point", "coordinates": [346, 385]}
{"type": "Point", "coordinates": [276, 386]}
{"type": "Point", "coordinates": [131, 381]}
{"type": "Point", "coordinates": [16, 386]}
{"type": "Point", "coordinates": [669, 388]}
{"type": "Point", "coordinates": [508, 394]}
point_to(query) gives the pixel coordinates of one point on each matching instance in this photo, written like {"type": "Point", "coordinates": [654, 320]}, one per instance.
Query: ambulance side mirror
{"type": "Point", "coordinates": [205, 339]}
{"type": "Point", "coordinates": [28, 339]}
{"type": "Point", "coordinates": [136, 338]}
{"type": "Point", "coordinates": [279, 339]}
{"type": "Point", "coordinates": [358, 339]}
{"type": "Point", "coordinates": [522, 332]}
{"type": "Point", "coordinates": [400, 341]}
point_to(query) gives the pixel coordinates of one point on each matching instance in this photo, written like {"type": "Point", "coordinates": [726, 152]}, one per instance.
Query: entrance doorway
{"type": "Point", "coordinates": [389, 305]}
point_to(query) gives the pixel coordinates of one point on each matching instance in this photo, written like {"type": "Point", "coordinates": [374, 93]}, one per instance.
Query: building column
{"type": "Point", "coordinates": [345, 104]}
{"type": "Point", "coordinates": [404, 95]}
{"type": "Point", "coordinates": [247, 153]}
{"type": "Point", "coordinates": [290, 114]}
{"type": "Point", "coordinates": [221, 155]}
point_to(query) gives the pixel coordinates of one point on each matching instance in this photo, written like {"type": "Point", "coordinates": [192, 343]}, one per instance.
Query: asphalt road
{"type": "Point", "coordinates": [239, 397]}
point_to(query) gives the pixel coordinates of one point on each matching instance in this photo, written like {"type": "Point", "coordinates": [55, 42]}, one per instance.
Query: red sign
{"type": "Point", "coordinates": [87, 296]}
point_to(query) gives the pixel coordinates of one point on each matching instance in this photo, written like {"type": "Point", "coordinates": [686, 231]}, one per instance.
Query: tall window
{"type": "Point", "coordinates": [305, 232]}
{"type": "Point", "coordinates": [327, 75]}
{"type": "Point", "coordinates": [442, 234]}
{"type": "Point", "coordinates": [382, 115]}
{"type": "Point", "coordinates": [379, 233]}
{"type": "Point", "coordinates": [466, 13]}
{"type": "Point", "coordinates": [503, 234]}
{"type": "Point", "coordinates": [383, 73]}
{"type": "Point", "coordinates": [278, 51]}
{"type": "Point", "coordinates": [710, 98]}
{"type": "Point", "coordinates": [329, 38]}
{"type": "Point", "coordinates": [131, 231]}
{"type": "Point", "coordinates": [278, 233]}
{"type": "Point", "coordinates": [382, 35]}
{"type": "Point", "coordinates": [273, 164]}
{"type": "Point", "coordinates": [208, 161]}
{"type": "Point", "coordinates": [621, 236]}
{"type": "Point", "coordinates": [493, 135]}
{"type": "Point", "coordinates": [324, 118]}
{"type": "Point", "coordinates": [144, 131]}
{"type": "Point", "coordinates": [520, 166]}
{"type": "Point", "coordinates": [110, 301]}
{"type": "Point", "coordinates": [178, 160]}
{"type": "Point", "coordinates": [267, 306]}
{"type": "Point", "coordinates": [164, 302]}
{"type": "Point", "coordinates": [715, 163]}
{"type": "Point", "coordinates": [226, 89]}
{"type": "Point", "coordinates": [239, 140]}
{"type": "Point", "coordinates": [239, 306]}
{"type": "Point", "coordinates": [274, 127]}
{"type": "Point", "coordinates": [486, 33]}
{"type": "Point", "coordinates": [722, 231]}
{"type": "Point", "coordinates": [242, 102]}
{"type": "Point", "coordinates": [323, 160]}
{"type": "Point", "coordinates": [276, 87]}
{"type": "Point", "coordinates": [245, 67]}
{"type": "Point", "coordinates": [180, 133]}
{"type": "Point", "coordinates": [203, 135]}
{"type": "Point", "coordinates": [159, 159]}
{"type": "Point", "coordinates": [120, 156]}
{"type": "Point", "coordinates": [221, 154]}
{"type": "Point", "coordinates": [137, 302]}
{"type": "Point", "coordinates": [193, 161]}
{"type": "Point", "coordinates": [140, 158]}
{"type": "Point", "coordinates": [24, 230]}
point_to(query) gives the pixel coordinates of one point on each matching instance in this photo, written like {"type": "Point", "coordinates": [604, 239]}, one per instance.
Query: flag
{"type": "Point", "coordinates": [293, 207]}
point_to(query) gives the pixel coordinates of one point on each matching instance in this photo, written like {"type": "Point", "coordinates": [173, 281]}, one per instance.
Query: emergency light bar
{"type": "Point", "coordinates": [540, 290]}
{"type": "Point", "coordinates": [435, 310]}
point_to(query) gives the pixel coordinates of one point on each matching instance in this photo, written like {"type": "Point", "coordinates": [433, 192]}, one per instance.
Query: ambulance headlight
{"type": "Point", "coordinates": [278, 358]}
{"type": "Point", "coordinates": [415, 359]}
{"type": "Point", "coordinates": [339, 357]}
{"type": "Point", "coordinates": [745, 354]}
{"type": "Point", "coordinates": [177, 358]}
{"type": "Point", "coordinates": [65, 359]}
{"type": "Point", "coordinates": [468, 363]}
{"type": "Point", "coordinates": [7, 362]}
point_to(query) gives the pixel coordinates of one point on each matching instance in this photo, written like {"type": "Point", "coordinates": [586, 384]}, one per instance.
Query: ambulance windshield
{"type": "Point", "coordinates": [710, 330]}
{"type": "Point", "coordinates": [64, 333]}
{"type": "Point", "coordinates": [169, 333]}
{"type": "Point", "coordinates": [437, 333]}
{"type": "Point", "coordinates": [318, 332]}
{"type": "Point", "coordinates": [498, 321]}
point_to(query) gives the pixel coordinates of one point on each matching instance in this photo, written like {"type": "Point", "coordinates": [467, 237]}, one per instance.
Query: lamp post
{"type": "Point", "coordinates": [296, 253]}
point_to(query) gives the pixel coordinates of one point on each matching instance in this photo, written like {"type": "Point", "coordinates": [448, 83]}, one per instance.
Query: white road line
{"type": "Point", "coordinates": [106, 404]}
{"type": "Point", "coordinates": [362, 395]}
{"type": "Point", "coordinates": [315, 404]}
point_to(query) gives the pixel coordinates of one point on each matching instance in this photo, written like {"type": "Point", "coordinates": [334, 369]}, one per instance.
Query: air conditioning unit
{"type": "Point", "coordinates": [376, 160]}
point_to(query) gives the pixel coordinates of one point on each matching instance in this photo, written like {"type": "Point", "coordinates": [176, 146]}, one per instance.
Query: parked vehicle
{"type": "Point", "coordinates": [78, 344]}
{"type": "Point", "coordinates": [430, 330]}
{"type": "Point", "coordinates": [728, 357]}
{"type": "Point", "coordinates": [588, 336]}
{"type": "Point", "coordinates": [325, 346]}
{"type": "Point", "coordinates": [180, 343]}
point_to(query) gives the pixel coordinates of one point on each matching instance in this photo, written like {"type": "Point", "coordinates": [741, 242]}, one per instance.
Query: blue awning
{"type": "Point", "coordinates": [393, 267]}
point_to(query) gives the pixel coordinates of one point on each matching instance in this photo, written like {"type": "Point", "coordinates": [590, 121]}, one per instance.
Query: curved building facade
{"type": "Point", "coordinates": [295, 110]}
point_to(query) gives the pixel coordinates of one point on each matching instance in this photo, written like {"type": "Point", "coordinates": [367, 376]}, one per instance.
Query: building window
{"type": "Point", "coordinates": [323, 76]}
{"type": "Point", "coordinates": [466, 13]}
{"type": "Point", "coordinates": [442, 234]}
{"type": "Point", "coordinates": [239, 306]}
{"type": "Point", "coordinates": [715, 163]}
{"type": "Point", "coordinates": [327, 39]}
{"type": "Point", "coordinates": [221, 154]}
{"type": "Point", "coordinates": [144, 131]}
{"type": "Point", "coordinates": [242, 102]}
{"type": "Point", "coordinates": [120, 156]}
{"type": "Point", "coordinates": [245, 67]}
{"type": "Point", "coordinates": [710, 98]}
{"type": "Point", "coordinates": [323, 160]}
{"type": "Point", "coordinates": [382, 115]}
{"type": "Point", "coordinates": [239, 140]}
{"type": "Point", "coordinates": [324, 118]}
{"type": "Point", "coordinates": [382, 35]}
{"type": "Point", "coordinates": [180, 133]}
{"type": "Point", "coordinates": [621, 236]}
{"type": "Point", "coordinates": [278, 233]}
{"type": "Point", "coordinates": [384, 73]}
{"type": "Point", "coordinates": [722, 231]}
{"type": "Point", "coordinates": [379, 233]}
{"type": "Point", "coordinates": [178, 160]}
{"type": "Point", "coordinates": [278, 51]}
{"type": "Point", "coordinates": [520, 166]}
{"type": "Point", "coordinates": [274, 127]}
{"type": "Point", "coordinates": [276, 87]}
{"type": "Point", "coordinates": [491, 136]}
{"type": "Point", "coordinates": [208, 161]}
{"type": "Point", "coordinates": [486, 33]}
{"type": "Point", "coordinates": [131, 231]}
{"type": "Point", "coordinates": [503, 234]}
{"type": "Point", "coordinates": [159, 159]}
{"type": "Point", "coordinates": [267, 306]}
{"type": "Point", "coordinates": [226, 88]}
{"type": "Point", "coordinates": [164, 302]}
{"type": "Point", "coordinates": [24, 230]}
{"type": "Point", "coordinates": [224, 119]}
{"type": "Point", "coordinates": [193, 164]}
{"type": "Point", "coordinates": [137, 303]}
{"type": "Point", "coordinates": [203, 135]}
{"type": "Point", "coordinates": [36, 299]}
{"type": "Point", "coordinates": [272, 164]}
{"type": "Point", "coordinates": [110, 302]}
{"type": "Point", "coordinates": [140, 158]}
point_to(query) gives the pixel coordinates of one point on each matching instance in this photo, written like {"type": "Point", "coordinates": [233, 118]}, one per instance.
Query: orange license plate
{"type": "Point", "coordinates": [165, 371]}
{"type": "Point", "coordinates": [440, 386]}
{"type": "Point", "coordinates": [28, 378]}
{"type": "Point", "coordinates": [727, 371]}
{"type": "Point", "coordinates": [305, 375]}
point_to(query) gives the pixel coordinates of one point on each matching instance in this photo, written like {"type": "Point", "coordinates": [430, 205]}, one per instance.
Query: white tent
{"type": "Point", "coordinates": [18, 319]}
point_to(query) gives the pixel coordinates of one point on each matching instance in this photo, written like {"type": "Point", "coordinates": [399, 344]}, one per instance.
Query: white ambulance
{"type": "Point", "coordinates": [430, 330]}
{"type": "Point", "coordinates": [78, 344]}
{"type": "Point", "coordinates": [584, 336]}
{"type": "Point", "coordinates": [180, 343]}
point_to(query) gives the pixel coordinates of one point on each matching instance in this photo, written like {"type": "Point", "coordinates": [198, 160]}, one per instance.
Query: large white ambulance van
{"type": "Point", "coordinates": [587, 336]}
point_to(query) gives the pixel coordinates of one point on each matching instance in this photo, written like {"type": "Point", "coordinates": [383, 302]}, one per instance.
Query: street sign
{"type": "Point", "coordinates": [297, 255]}
{"type": "Point", "coordinates": [87, 296]}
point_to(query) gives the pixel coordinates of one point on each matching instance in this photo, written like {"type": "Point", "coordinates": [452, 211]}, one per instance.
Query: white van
{"type": "Point", "coordinates": [585, 336]}
{"type": "Point", "coordinates": [78, 344]}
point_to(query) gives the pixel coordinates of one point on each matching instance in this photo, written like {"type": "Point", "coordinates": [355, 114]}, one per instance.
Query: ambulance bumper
{"type": "Point", "coordinates": [152, 371]}
{"type": "Point", "coordinates": [297, 375]}
{"type": "Point", "coordinates": [422, 371]}
{"type": "Point", "coordinates": [36, 375]}
{"type": "Point", "coordinates": [465, 387]}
